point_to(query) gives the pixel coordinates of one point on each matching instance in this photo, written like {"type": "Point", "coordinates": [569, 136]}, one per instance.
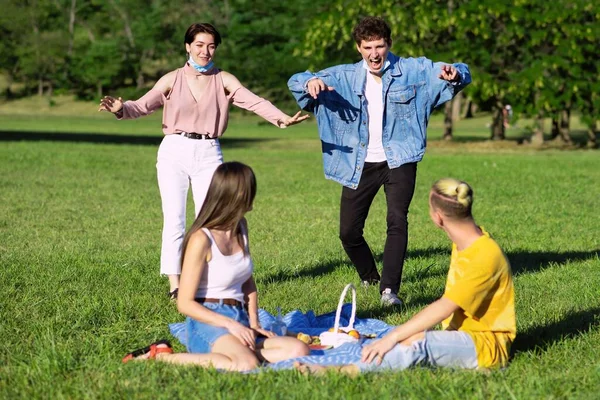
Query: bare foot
{"type": "Point", "coordinates": [310, 369]}
{"type": "Point", "coordinates": [148, 354]}
{"type": "Point", "coordinates": [319, 370]}
{"type": "Point", "coordinates": [155, 350]}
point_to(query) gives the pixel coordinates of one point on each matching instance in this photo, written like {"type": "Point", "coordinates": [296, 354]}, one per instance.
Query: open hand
{"type": "Point", "coordinates": [111, 104]}
{"type": "Point", "coordinates": [264, 332]}
{"type": "Point", "coordinates": [245, 335]}
{"type": "Point", "coordinates": [376, 350]}
{"type": "Point", "coordinates": [316, 86]}
{"type": "Point", "coordinates": [449, 73]}
{"type": "Point", "coordinates": [296, 119]}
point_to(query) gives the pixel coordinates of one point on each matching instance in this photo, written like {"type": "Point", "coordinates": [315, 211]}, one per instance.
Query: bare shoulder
{"type": "Point", "coordinates": [165, 83]}
{"type": "Point", "coordinates": [199, 240]}
{"type": "Point", "coordinates": [230, 82]}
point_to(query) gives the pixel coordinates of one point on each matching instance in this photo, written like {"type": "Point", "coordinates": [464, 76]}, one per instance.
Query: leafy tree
{"type": "Point", "coordinates": [431, 34]}
{"type": "Point", "coordinates": [97, 67]}
{"type": "Point", "coordinates": [37, 47]}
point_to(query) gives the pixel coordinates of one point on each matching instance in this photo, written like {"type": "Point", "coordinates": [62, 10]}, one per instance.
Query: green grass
{"type": "Point", "coordinates": [80, 229]}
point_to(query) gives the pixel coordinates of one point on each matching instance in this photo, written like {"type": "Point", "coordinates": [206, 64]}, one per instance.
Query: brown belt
{"type": "Point", "coordinates": [229, 302]}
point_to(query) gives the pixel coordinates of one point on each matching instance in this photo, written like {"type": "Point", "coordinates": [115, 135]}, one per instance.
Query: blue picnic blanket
{"type": "Point", "coordinates": [314, 325]}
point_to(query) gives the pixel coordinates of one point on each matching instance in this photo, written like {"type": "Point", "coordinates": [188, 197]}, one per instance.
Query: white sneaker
{"type": "Point", "coordinates": [388, 298]}
{"type": "Point", "coordinates": [367, 284]}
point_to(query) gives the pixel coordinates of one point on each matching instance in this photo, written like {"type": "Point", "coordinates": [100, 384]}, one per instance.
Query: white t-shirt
{"type": "Point", "coordinates": [224, 276]}
{"type": "Point", "coordinates": [374, 96]}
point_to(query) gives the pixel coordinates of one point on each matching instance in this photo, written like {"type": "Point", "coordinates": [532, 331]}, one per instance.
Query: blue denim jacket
{"type": "Point", "coordinates": [411, 91]}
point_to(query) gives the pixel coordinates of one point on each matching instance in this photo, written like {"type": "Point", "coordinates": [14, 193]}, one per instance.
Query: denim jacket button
{"type": "Point", "coordinates": [362, 145]}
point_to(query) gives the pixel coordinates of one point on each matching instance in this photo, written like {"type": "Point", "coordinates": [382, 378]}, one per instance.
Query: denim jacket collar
{"type": "Point", "coordinates": [360, 74]}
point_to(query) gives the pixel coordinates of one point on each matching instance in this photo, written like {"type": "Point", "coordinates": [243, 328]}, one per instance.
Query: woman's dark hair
{"type": "Point", "coordinates": [203, 27]}
{"type": "Point", "coordinates": [229, 197]}
{"type": "Point", "coordinates": [372, 28]}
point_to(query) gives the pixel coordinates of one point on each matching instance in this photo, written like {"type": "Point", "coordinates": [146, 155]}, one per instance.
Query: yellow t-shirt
{"type": "Point", "coordinates": [480, 283]}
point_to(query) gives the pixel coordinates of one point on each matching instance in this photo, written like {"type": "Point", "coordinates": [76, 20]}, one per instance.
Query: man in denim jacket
{"type": "Point", "coordinates": [372, 118]}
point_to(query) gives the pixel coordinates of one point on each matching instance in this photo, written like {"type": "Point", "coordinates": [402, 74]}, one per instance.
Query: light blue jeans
{"type": "Point", "coordinates": [454, 349]}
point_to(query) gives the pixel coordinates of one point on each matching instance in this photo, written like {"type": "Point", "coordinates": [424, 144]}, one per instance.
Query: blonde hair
{"type": "Point", "coordinates": [453, 197]}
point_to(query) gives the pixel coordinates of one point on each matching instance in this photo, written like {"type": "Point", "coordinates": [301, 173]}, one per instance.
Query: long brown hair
{"type": "Point", "coordinates": [229, 197]}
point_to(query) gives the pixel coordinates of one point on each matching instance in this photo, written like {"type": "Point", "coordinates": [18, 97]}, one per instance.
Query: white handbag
{"type": "Point", "coordinates": [337, 338]}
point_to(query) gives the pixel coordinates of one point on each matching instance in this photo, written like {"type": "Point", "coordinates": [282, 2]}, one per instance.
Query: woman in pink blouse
{"type": "Point", "coordinates": [195, 101]}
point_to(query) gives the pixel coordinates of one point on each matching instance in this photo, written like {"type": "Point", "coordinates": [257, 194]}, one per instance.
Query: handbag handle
{"type": "Point", "coordinates": [339, 309]}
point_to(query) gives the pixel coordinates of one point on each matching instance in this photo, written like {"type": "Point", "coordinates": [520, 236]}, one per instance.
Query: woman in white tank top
{"type": "Point", "coordinates": [217, 292]}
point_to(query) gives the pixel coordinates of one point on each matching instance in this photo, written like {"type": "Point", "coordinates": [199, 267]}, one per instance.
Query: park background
{"type": "Point", "coordinates": [80, 212]}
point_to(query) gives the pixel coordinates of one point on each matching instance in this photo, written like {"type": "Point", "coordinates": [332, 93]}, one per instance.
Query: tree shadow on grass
{"type": "Point", "coordinates": [378, 312]}
{"type": "Point", "coordinates": [529, 262]}
{"type": "Point", "coordinates": [328, 267]}
{"type": "Point", "coordinates": [521, 262]}
{"type": "Point", "coordinates": [542, 337]}
{"type": "Point", "coordinates": [104, 138]}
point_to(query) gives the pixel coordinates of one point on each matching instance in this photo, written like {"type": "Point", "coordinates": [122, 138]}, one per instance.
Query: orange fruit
{"type": "Point", "coordinates": [354, 333]}
{"type": "Point", "coordinates": [304, 338]}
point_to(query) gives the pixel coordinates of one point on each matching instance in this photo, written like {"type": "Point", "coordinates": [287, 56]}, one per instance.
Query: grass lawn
{"type": "Point", "coordinates": [80, 225]}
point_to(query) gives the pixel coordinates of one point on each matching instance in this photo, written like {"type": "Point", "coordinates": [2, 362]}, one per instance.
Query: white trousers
{"type": "Point", "coordinates": [182, 161]}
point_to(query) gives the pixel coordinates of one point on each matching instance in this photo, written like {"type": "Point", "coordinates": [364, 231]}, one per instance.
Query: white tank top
{"type": "Point", "coordinates": [224, 276]}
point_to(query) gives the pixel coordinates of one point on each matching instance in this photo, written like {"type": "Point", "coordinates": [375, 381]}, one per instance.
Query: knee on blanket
{"type": "Point", "coordinates": [245, 363]}
{"type": "Point", "coordinates": [299, 349]}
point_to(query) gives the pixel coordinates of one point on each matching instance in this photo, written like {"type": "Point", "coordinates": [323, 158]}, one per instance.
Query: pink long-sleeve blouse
{"type": "Point", "coordinates": [207, 115]}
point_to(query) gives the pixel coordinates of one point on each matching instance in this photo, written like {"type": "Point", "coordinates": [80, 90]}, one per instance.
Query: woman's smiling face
{"type": "Point", "coordinates": [202, 49]}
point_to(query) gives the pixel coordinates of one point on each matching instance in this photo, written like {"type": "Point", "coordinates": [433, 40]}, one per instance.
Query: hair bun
{"type": "Point", "coordinates": [463, 194]}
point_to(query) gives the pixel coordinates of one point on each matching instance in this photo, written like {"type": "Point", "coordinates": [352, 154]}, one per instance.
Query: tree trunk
{"type": "Point", "coordinates": [564, 130]}
{"type": "Point", "coordinates": [9, 80]}
{"type": "Point", "coordinates": [40, 87]}
{"type": "Point", "coordinates": [49, 94]}
{"type": "Point", "coordinates": [470, 109]}
{"type": "Point", "coordinates": [538, 131]}
{"type": "Point", "coordinates": [126, 25]}
{"type": "Point", "coordinates": [466, 111]}
{"type": "Point", "coordinates": [146, 55]}
{"type": "Point", "coordinates": [139, 81]}
{"type": "Point", "coordinates": [498, 132]}
{"type": "Point", "coordinates": [448, 121]}
{"type": "Point", "coordinates": [592, 132]}
{"type": "Point", "coordinates": [99, 89]}
{"type": "Point", "coordinates": [456, 107]}
{"type": "Point", "coordinates": [71, 27]}
{"type": "Point", "coordinates": [555, 130]}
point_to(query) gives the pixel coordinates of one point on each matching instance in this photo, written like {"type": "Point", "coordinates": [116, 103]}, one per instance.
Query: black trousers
{"type": "Point", "coordinates": [399, 187]}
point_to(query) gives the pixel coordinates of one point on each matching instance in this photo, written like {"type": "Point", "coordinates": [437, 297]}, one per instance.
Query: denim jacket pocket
{"type": "Point", "coordinates": [402, 101]}
{"type": "Point", "coordinates": [341, 114]}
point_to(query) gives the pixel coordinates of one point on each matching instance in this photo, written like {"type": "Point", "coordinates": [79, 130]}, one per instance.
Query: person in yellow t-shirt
{"type": "Point", "coordinates": [476, 311]}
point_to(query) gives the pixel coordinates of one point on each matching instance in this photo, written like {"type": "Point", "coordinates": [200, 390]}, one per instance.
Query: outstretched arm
{"type": "Point", "coordinates": [445, 80]}
{"type": "Point", "coordinates": [427, 318]}
{"type": "Point", "coordinates": [247, 100]}
{"type": "Point", "coordinates": [145, 105]}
